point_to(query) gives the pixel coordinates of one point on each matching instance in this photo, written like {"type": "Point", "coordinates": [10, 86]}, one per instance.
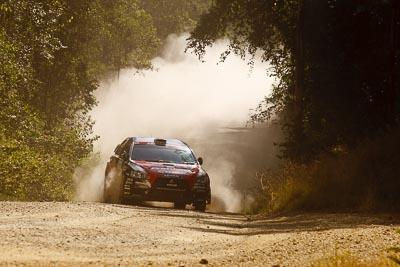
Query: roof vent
{"type": "Point", "coordinates": [160, 142]}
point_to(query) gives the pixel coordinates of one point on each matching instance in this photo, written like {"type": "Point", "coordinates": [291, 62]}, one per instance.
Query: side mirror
{"type": "Point", "coordinates": [200, 160]}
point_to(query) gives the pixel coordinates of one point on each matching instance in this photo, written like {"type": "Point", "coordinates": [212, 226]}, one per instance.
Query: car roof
{"type": "Point", "coordinates": [151, 140]}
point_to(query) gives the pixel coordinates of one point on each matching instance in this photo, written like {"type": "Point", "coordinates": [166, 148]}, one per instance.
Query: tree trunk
{"type": "Point", "coordinates": [299, 59]}
{"type": "Point", "coordinates": [299, 83]}
{"type": "Point", "coordinates": [391, 95]}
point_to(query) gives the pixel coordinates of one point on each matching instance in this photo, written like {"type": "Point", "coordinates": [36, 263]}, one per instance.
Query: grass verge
{"type": "Point", "coordinates": [365, 179]}
{"type": "Point", "coordinates": [347, 260]}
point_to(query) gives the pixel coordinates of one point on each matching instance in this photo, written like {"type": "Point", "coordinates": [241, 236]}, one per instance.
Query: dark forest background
{"type": "Point", "coordinates": [337, 97]}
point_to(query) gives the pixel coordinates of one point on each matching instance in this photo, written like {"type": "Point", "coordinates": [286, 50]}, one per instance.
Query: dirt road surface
{"type": "Point", "coordinates": [95, 234]}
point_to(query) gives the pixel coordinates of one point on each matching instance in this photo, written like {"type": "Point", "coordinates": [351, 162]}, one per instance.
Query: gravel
{"type": "Point", "coordinates": [96, 234]}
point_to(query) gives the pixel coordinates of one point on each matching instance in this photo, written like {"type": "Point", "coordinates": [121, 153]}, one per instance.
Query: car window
{"type": "Point", "coordinates": [127, 146]}
{"type": "Point", "coordinates": [120, 148]}
{"type": "Point", "coordinates": [156, 153]}
{"type": "Point", "coordinates": [117, 148]}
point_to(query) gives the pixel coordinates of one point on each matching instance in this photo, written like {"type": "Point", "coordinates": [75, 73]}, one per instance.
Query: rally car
{"type": "Point", "coordinates": [153, 169]}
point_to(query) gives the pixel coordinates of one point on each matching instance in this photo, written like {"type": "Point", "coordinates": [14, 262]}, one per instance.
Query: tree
{"type": "Point", "coordinates": [174, 16]}
{"type": "Point", "coordinates": [53, 54]}
{"type": "Point", "coordinates": [337, 64]}
{"type": "Point", "coordinates": [129, 35]}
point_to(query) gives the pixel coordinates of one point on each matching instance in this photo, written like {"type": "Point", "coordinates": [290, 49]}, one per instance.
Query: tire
{"type": "Point", "coordinates": [112, 189]}
{"type": "Point", "coordinates": [200, 206]}
{"type": "Point", "coordinates": [106, 197]}
{"type": "Point", "coordinates": [180, 205]}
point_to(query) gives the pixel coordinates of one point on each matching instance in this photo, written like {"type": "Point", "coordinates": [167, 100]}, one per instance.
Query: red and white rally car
{"type": "Point", "coordinates": [152, 169]}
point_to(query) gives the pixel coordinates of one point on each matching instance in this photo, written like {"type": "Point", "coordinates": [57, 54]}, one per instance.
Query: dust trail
{"type": "Point", "coordinates": [183, 99]}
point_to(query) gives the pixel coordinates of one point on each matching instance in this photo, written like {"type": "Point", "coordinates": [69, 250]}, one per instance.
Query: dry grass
{"type": "Point", "coordinates": [348, 260]}
{"type": "Point", "coordinates": [362, 179]}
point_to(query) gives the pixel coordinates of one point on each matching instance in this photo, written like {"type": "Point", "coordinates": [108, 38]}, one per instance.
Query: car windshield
{"type": "Point", "coordinates": [179, 155]}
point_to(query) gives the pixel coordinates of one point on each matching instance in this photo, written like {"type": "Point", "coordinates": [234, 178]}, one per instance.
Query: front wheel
{"type": "Point", "coordinates": [200, 206]}
{"type": "Point", "coordinates": [180, 205]}
{"type": "Point", "coordinates": [112, 188]}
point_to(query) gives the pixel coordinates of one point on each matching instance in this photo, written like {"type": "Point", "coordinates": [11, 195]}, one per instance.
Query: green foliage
{"type": "Point", "coordinates": [351, 65]}
{"type": "Point", "coordinates": [129, 37]}
{"type": "Point", "coordinates": [174, 16]}
{"type": "Point", "coordinates": [250, 26]}
{"type": "Point", "coordinates": [53, 53]}
{"type": "Point", "coordinates": [36, 163]}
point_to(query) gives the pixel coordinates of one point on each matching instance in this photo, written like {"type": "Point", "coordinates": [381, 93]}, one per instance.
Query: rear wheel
{"type": "Point", "coordinates": [200, 206]}
{"type": "Point", "coordinates": [180, 205]}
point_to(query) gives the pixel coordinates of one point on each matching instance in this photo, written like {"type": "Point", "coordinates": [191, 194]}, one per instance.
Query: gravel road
{"type": "Point", "coordinates": [96, 234]}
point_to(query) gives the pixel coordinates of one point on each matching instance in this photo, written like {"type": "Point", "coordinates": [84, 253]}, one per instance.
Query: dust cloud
{"type": "Point", "coordinates": [185, 99]}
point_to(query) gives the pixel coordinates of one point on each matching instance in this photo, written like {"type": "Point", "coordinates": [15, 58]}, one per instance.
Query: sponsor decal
{"type": "Point", "coordinates": [171, 175]}
{"type": "Point", "coordinates": [172, 183]}
{"type": "Point", "coordinates": [170, 171]}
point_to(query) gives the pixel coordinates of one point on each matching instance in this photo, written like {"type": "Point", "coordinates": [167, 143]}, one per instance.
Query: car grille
{"type": "Point", "coordinates": [170, 189]}
{"type": "Point", "coordinates": [169, 183]}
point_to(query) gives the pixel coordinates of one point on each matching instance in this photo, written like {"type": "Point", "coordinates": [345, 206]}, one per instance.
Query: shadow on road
{"type": "Point", "coordinates": [297, 223]}
{"type": "Point", "coordinates": [243, 225]}
{"type": "Point", "coordinates": [240, 225]}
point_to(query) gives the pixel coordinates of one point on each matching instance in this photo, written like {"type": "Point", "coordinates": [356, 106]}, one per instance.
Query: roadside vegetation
{"type": "Point", "coordinates": [53, 54]}
{"type": "Point", "coordinates": [348, 260]}
{"type": "Point", "coordinates": [389, 259]}
{"type": "Point", "coordinates": [336, 97]}
{"type": "Point", "coordinates": [362, 179]}
{"type": "Point", "coordinates": [394, 253]}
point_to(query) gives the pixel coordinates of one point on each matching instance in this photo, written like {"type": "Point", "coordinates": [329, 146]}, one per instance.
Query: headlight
{"type": "Point", "coordinates": [138, 174]}
{"type": "Point", "coordinates": [202, 177]}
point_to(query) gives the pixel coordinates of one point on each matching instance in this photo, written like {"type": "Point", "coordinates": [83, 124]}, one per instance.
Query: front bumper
{"type": "Point", "coordinates": [165, 190]}
{"type": "Point", "coordinates": [201, 192]}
